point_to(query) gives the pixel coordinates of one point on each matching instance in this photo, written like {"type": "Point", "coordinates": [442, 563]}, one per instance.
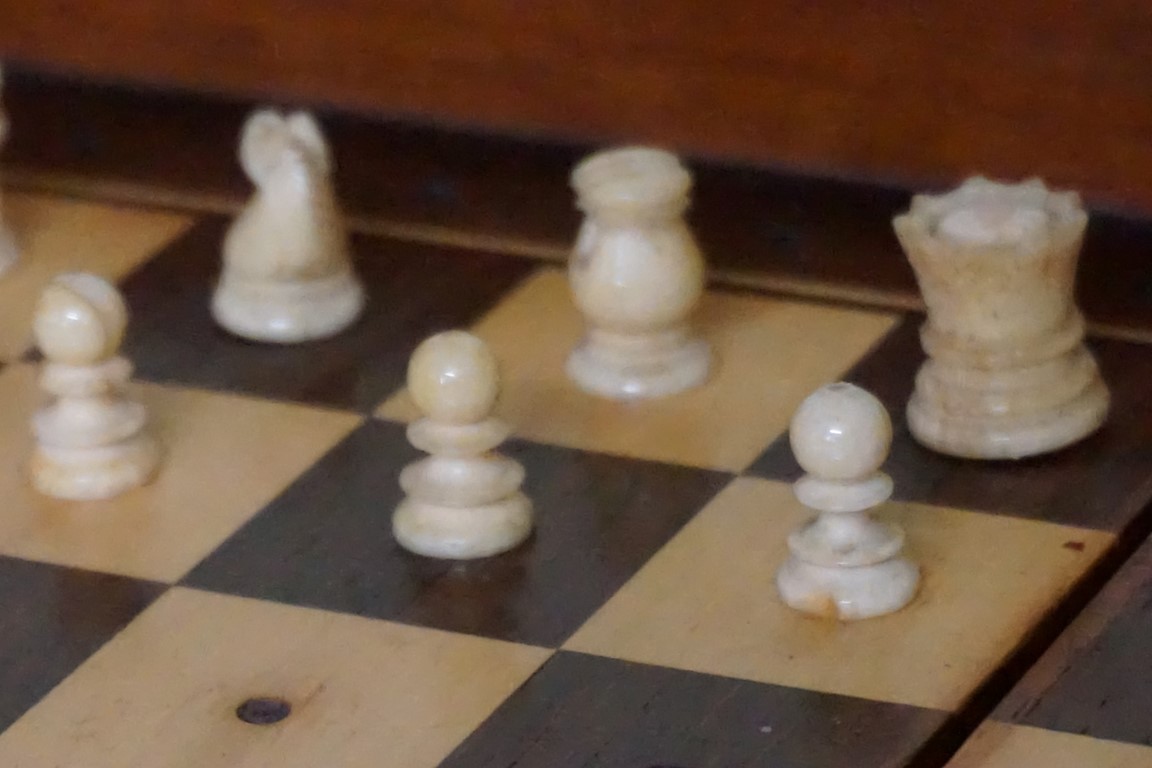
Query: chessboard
{"type": "Point", "coordinates": [251, 608]}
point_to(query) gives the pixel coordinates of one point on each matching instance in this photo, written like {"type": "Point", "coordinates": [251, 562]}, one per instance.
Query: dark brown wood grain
{"type": "Point", "coordinates": [413, 291]}
{"type": "Point", "coordinates": [53, 619]}
{"type": "Point", "coordinates": [327, 541]}
{"type": "Point", "coordinates": [1104, 482]}
{"type": "Point", "coordinates": [894, 91]}
{"type": "Point", "coordinates": [581, 710]}
{"type": "Point", "coordinates": [1096, 677]}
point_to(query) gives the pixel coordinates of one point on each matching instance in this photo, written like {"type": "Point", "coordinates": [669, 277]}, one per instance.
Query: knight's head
{"type": "Point", "coordinates": [273, 143]}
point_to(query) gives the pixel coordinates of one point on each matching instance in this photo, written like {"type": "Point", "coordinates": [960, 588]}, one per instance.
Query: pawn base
{"type": "Point", "coordinates": [87, 474]}
{"type": "Point", "coordinates": [848, 594]}
{"type": "Point", "coordinates": [462, 533]}
{"type": "Point", "coordinates": [1006, 436]}
{"type": "Point", "coordinates": [288, 312]}
{"type": "Point", "coordinates": [631, 374]}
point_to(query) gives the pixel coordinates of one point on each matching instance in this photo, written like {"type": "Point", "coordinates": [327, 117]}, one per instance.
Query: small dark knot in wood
{"type": "Point", "coordinates": [263, 711]}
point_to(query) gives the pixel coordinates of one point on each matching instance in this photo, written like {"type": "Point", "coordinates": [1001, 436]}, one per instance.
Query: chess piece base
{"type": "Point", "coordinates": [640, 369]}
{"type": "Point", "coordinates": [288, 312]}
{"type": "Point", "coordinates": [1005, 435]}
{"type": "Point", "coordinates": [86, 474]}
{"type": "Point", "coordinates": [848, 594]}
{"type": "Point", "coordinates": [462, 533]}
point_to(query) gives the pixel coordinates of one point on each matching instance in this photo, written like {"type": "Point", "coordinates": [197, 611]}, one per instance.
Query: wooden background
{"type": "Point", "coordinates": [899, 92]}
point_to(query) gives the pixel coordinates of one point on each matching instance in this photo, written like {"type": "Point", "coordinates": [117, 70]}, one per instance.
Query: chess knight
{"type": "Point", "coordinates": [1008, 374]}
{"type": "Point", "coordinates": [287, 273]}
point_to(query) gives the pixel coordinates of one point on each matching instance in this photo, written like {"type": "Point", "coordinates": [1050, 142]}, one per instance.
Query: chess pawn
{"type": "Point", "coordinates": [287, 275]}
{"type": "Point", "coordinates": [844, 564]}
{"type": "Point", "coordinates": [636, 274]}
{"type": "Point", "coordinates": [91, 441]}
{"type": "Point", "coordinates": [9, 253]}
{"type": "Point", "coordinates": [1008, 374]}
{"type": "Point", "coordinates": [464, 500]}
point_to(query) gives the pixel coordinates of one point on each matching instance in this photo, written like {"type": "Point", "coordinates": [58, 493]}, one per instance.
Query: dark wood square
{"type": "Point", "coordinates": [581, 710]}
{"type": "Point", "coordinates": [413, 291]}
{"type": "Point", "coordinates": [1096, 679]}
{"type": "Point", "coordinates": [1102, 482]}
{"type": "Point", "coordinates": [53, 619]}
{"type": "Point", "coordinates": [327, 541]}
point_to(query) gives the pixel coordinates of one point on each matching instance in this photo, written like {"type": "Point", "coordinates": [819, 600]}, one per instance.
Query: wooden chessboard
{"type": "Point", "coordinates": [639, 627]}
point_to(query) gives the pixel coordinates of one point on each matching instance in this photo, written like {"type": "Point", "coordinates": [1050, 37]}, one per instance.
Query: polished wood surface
{"type": "Point", "coordinates": [1085, 701]}
{"type": "Point", "coordinates": [892, 91]}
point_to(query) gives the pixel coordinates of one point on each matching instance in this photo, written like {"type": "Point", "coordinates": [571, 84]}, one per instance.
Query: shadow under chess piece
{"type": "Point", "coordinates": [1008, 374]}
{"type": "Point", "coordinates": [9, 251]}
{"type": "Point", "coordinates": [636, 274]}
{"type": "Point", "coordinates": [464, 500]}
{"type": "Point", "coordinates": [287, 274]}
{"type": "Point", "coordinates": [91, 441]}
{"type": "Point", "coordinates": [844, 564]}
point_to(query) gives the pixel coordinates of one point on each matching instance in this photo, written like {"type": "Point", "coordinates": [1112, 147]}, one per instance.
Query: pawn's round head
{"type": "Point", "coordinates": [453, 378]}
{"type": "Point", "coordinates": [80, 320]}
{"type": "Point", "coordinates": [841, 432]}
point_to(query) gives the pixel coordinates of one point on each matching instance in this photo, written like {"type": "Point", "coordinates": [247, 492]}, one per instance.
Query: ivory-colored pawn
{"type": "Point", "coordinates": [636, 273]}
{"type": "Point", "coordinates": [9, 252]}
{"type": "Point", "coordinates": [464, 500]}
{"type": "Point", "coordinates": [844, 564]}
{"type": "Point", "coordinates": [91, 441]}
{"type": "Point", "coordinates": [287, 274]}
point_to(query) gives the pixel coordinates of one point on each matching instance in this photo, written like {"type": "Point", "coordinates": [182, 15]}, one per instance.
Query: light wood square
{"type": "Point", "coordinates": [707, 601]}
{"type": "Point", "coordinates": [769, 355]}
{"type": "Point", "coordinates": [364, 693]}
{"type": "Point", "coordinates": [225, 458]}
{"type": "Point", "coordinates": [62, 235]}
{"type": "Point", "coordinates": [1001, 745]}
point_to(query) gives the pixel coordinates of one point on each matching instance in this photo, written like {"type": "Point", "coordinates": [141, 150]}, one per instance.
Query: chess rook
{"type": "Point", "coordinates": [91, 441]}
{"type": "Point", "coordinates": [844, 564]}
{"type": "Point", "coordinates": [464, 500]}
{"type": "Point", "coordinates": [287, 275]}
{"type": "Point", "coordinates": [9, 253]}
{"type": "Point", "coordinates": [636, 274]}
{"type": "Point", "coordinates": [1008, 374]}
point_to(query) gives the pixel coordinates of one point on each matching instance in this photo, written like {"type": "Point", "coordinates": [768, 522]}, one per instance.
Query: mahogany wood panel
{"type": "Point", "coordinates": [918, 92]}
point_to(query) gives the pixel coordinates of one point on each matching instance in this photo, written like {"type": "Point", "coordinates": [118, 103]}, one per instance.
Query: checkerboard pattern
{"type": "Point", "coordinates": [1086, 701]}
{"type": "Point", "coordinates": [639, 626]}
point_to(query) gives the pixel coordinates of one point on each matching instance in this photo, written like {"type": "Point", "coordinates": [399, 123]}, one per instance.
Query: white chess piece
{"type": "Point", "coordinates": [636, 274]}
{"type": "Point", "coordinates": [287, 274]}
{"type": "Point", "coordinates": [1008, 373]}
{"type": "Point", "coordinates": [844, 564]}
{"type": "Point", "coordinates": [91, 442]}
{"type": "Point", "coordinates": [9, 252]}
{"type": "Point", "coordinates": [463, 500]}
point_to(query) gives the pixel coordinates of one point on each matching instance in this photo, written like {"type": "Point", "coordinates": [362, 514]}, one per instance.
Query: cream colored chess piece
{"type": "Point", "coordinates": [9, 253]}
{"type": "Point", "coordinates": [1008, 374]}
{"type": "Point", "coordinates": [287, 274]}
{"type": "Point", "coordinates": [845, 564]}
{"type": "Point", "coordinates": [636, 274]}
{"type": "Point", "coordinates": [463, 500]}
{"type": "Point", "coordinates": [91, 441]}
